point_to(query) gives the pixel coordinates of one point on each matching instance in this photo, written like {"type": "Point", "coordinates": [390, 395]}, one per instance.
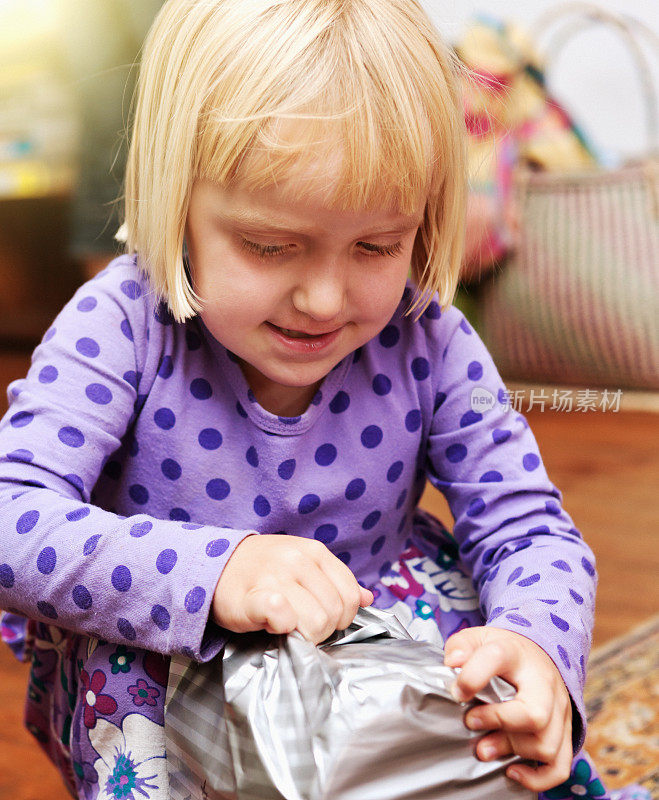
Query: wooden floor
{"type": "Point", "coordinates": [606, 465]}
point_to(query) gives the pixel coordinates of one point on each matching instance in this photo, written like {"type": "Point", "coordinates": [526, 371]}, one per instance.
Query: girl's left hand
{"type": "Point", "coordinates": [536, 724]}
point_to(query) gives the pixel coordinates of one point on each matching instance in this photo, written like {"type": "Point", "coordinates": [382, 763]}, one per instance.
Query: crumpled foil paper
{"type": "Point", "coordinates": [366, 715]}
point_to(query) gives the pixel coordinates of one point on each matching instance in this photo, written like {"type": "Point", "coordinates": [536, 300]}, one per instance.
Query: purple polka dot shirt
{"type": "Point", "coordinates": [134, 459]}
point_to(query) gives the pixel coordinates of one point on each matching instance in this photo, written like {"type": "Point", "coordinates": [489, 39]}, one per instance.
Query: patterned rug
{"type": "Point", "coordinates": [622, 704]}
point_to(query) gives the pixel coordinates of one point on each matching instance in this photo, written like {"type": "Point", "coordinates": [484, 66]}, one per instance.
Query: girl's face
{"type": "Point", "coordinates": [293, 286]}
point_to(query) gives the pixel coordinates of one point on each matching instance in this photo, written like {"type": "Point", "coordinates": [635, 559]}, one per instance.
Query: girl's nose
{"type": "Point", "coordinates": [320, 292]}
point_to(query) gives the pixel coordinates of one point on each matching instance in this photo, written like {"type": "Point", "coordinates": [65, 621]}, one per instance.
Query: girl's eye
{"type": "Point", "coordinates": [382, 249]}
{"type": "Point", "coordinates": [264, 250]}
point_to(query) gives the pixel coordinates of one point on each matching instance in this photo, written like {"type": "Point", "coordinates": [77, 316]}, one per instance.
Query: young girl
{"type": "Point", "coordinates": [230, 427]}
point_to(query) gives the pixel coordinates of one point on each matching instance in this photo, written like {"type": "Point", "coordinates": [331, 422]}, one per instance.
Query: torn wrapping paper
{"type": "Point", "coordinates": [366, 715]}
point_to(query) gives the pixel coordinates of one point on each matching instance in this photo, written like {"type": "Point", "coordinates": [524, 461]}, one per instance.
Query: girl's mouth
{"type": "Point", "coordinates": [301, 341]}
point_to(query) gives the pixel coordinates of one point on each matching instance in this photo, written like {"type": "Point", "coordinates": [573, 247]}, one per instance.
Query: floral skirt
{"type": "Point", "coordinates": [97, 708]}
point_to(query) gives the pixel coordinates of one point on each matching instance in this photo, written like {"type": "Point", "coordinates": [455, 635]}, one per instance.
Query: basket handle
{"type": "Point", "coordinates": [631, 30]}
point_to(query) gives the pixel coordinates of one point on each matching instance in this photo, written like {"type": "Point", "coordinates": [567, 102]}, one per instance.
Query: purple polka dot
{"type": "Point", "coordinates": [308, 503]}
{"type": "Point", "coordinates": [491, 476]}
{"type": "Point", "coordinates": [286, 469]}
{"type": "Point", "coordinates": [166, 561]}
{"type": "Point", "coordinates": [339, 403]}
{"type": "Point", "coordinates": [389, 336]}
{"type": "Point", "coordinates": [401, 499]}
{"type": "Point", "coordinates": [563, 656]}
{"type": "Point", "coordinates": [166, 367]}
{"type": "Point", "coordinates": [87, 304]}
{"type": "Point", "coordinates": [371, 436]}
{"type": "Point", "coordinates": [384, 569]}
{"type": "Point", "coordinates": [500, 435]}
{"type": "Point", "coordinates": [395, 471]}
{"type": "Point", "coordinates": [588, 567]}
{"type": "Point", "coordinates": [132, 378]}
{"type": "Point", "coordinates": [194, 599]}
{"type": "Point", "coordinates": [518, 619]}
{"type": "Point", "coordinates": [121, 578]}
{"type": "Point", "coordinates": [27, 521]}
{"type": "Point", "coordinates": [133, 447]}
{"type": "Point", "coordinates": [496, 612]}
{"type": "Point", "coordinates": [381, 385]}
{"type": "Point", "coordinates": [578, 599]}
{"type": "Point", "coordinates": [217, 547]}
{"type": "Point", "coordinates": [210, 439]}
{"type": "Point", "coordinates": [326, 533]}
{"type": "Point", "coordinates": [476, 507]}
{"type": "Point", "coordinates": [90, 545]}
{"type": "Point", "coordinates": [164, 418]}
{"type": "Point", "coordinates": [77, 514]}
{"type": "Point", "coordinates": [139, 494]}
{"type": "Point", "coordinates": [126, 329]}
{"type": "Point", "coordinates": [21, 456]}
{"type": "Point", "coordinates": [88, 347]}
{"type": "Point", "coordinates": [562, 565]}
{"type": "Point", "coordinates": [538, 529]}
{"type": "Point", "coordinates": [217, 489]}
{"type": "Point", "coordinates": [289, 420]}
{"type": "Point", "coordinates": [48, 374]}
{"type": "Point", "coordinates": [464, 325]}
{"type": "Point", "coordinates": [345, 557]}
{"type": "Point", "coordinates": [141, 529]}
{"type": "Point", "coordinates": [192, 340]}
{"type": "Point", "coordinates": [81, 597]}
{"type": "Point", "coordinates": [201, 389]}
{"type": "Point", "coordinates": [21, 419]}
{"type": "Point", "coordinates": [171, 469]}
{"type": "Point", "coordinates": [455, 453]}
{"type": "Point", "coordinates": [46, 609]}
{"type": "Point", "coordinates": [503, 397]}
{"type": "Point", "coordinates": [163, 315]}
{"type": "Point", "coordinates": [413, 420]}
{"type": "Point", "coordinates": [420, 368]}
{"type": "Point", "coordinates": [371, 520]}
{"type": "Point", "coordinates": [433, 311]}
{"type": "Point", "coordinates": [252, 457]}
{"type": "Point", "coordinates": [475, 371]}
{"type": "Point", "coordinates": [6, 576]}
{"type": "Point", "coordinates": [470, 418]}
{"type": "Point", "coordinates": [262, 506]}
{"type": "Point", "coordinates": [325, 455]}
{"type": "Point", "coordinates": [560, 623]}
{"type": "Point", "coordinates": [46, 560]}
{"type": "Point", "coordinates": [317, 399]}
{"type": "Point", "coordinates": [48, 335]}
{"type": "Point", "coordinates": [131, 289]}
{"type": "Point", "coordinates": [377, 545]}
{"type": "Point", "coordinates": [241, 410]}
{"type": "Point", "coordinates": [530, 580]}
{"type": "Point", "coordinates": [355, 489]}
{"type": "Point", "coordinates": [99, 394]}
{"type": "Point", "coordinates": [126, 629]}
{"type": "Point", "coordinates": [75, 480]}
{"type": "Point", "coordinates": [514, 575]}
{"type": "Point", "coordinates": [530, 462]}
{"type": "Point", "coordinates": [71, 437]}
{"type": "Point", "coordinates": [179, 515]}
{"type": "Point", "coordinates": [549, 602]}
{"type": "Point", "coordinates": [192, 526]}
{"type": "Point", "coordinates": [160, 617]}
{"type": "Point", "coordinates": [251, 396]}
{"type": "Point", "coordinates": [440, 397]}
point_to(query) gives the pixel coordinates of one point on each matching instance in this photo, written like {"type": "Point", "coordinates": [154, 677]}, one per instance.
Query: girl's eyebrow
{"type": "Point", "coordinates": [266, 223]}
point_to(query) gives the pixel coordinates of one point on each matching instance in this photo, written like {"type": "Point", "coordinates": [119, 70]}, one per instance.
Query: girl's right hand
{"type": "Point", "coordinates": [286, 583]}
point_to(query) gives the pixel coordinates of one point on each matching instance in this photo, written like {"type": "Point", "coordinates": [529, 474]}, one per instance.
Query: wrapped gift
{"type": "Point", "coordinates": [366, 715]}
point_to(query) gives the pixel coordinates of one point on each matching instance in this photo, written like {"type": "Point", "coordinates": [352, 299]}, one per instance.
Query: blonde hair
{"type": "Point", "coordinates": [221, 80]}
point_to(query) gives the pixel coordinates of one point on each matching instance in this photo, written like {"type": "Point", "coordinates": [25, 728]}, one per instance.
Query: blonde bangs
{"type": "Point", "coordinates": [362, 90]}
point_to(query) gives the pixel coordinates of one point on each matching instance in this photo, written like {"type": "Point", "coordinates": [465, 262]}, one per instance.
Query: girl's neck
{"type": "Point", "coordinates": [283, 401]}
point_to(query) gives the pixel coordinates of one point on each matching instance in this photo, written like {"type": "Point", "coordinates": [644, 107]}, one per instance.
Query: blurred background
{"type": "Point", "coordinates": [580, 322]}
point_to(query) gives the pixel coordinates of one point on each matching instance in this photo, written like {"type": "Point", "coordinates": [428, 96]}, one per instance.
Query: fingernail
{"type": "Point", "coordinates": [488, 751]}
{"type": "Point", "coordinates": [475, 723]}
{"type": "Point", "coordinates": [512, 773]}
{"type": "Point", "coordinates": [458, 694]}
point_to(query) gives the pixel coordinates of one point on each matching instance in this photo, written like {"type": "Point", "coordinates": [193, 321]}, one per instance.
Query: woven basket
{"type": "Point", "coordinates": [578, 300]}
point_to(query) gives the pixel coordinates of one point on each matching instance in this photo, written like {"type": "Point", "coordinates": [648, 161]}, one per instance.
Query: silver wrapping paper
{"type": "Point", "coordinates": [366, 715]}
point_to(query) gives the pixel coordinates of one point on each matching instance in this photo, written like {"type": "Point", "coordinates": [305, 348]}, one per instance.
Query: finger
{"type": "Point", "coordinates": [267, 609]}
{"type": "Point", "coordinates": [328, 595]}
{"type": "Point", "coordinates": [313, 621]}
{"type": "Point", "coordinates": [494, 745]}
{"type": "Point", "coordinates": [546, 776]}
{"type": "Point", "coordinates": [459, 647]}
{"type": "Point", "coordinates": [481, 666]}
{"type": "Point", "coordinates": [352, 594]}
{"type": "Point", "coordinates": [514, 716]}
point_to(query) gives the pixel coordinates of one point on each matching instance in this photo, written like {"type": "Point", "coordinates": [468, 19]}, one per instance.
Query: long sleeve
{"type": "Point", "coordinates": [63, 560]}
{"type": "Point", "coordinates": [532, 570]}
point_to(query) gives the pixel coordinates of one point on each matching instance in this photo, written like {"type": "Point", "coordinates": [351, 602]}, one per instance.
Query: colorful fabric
{"type": "Point", "coordinates": [134, 459]}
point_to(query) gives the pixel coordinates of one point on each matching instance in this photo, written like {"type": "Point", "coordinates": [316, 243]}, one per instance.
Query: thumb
{"type": "Point", "coordinates": [366, 597]}
{"type": "Point", "coordinates": [459, 647]}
